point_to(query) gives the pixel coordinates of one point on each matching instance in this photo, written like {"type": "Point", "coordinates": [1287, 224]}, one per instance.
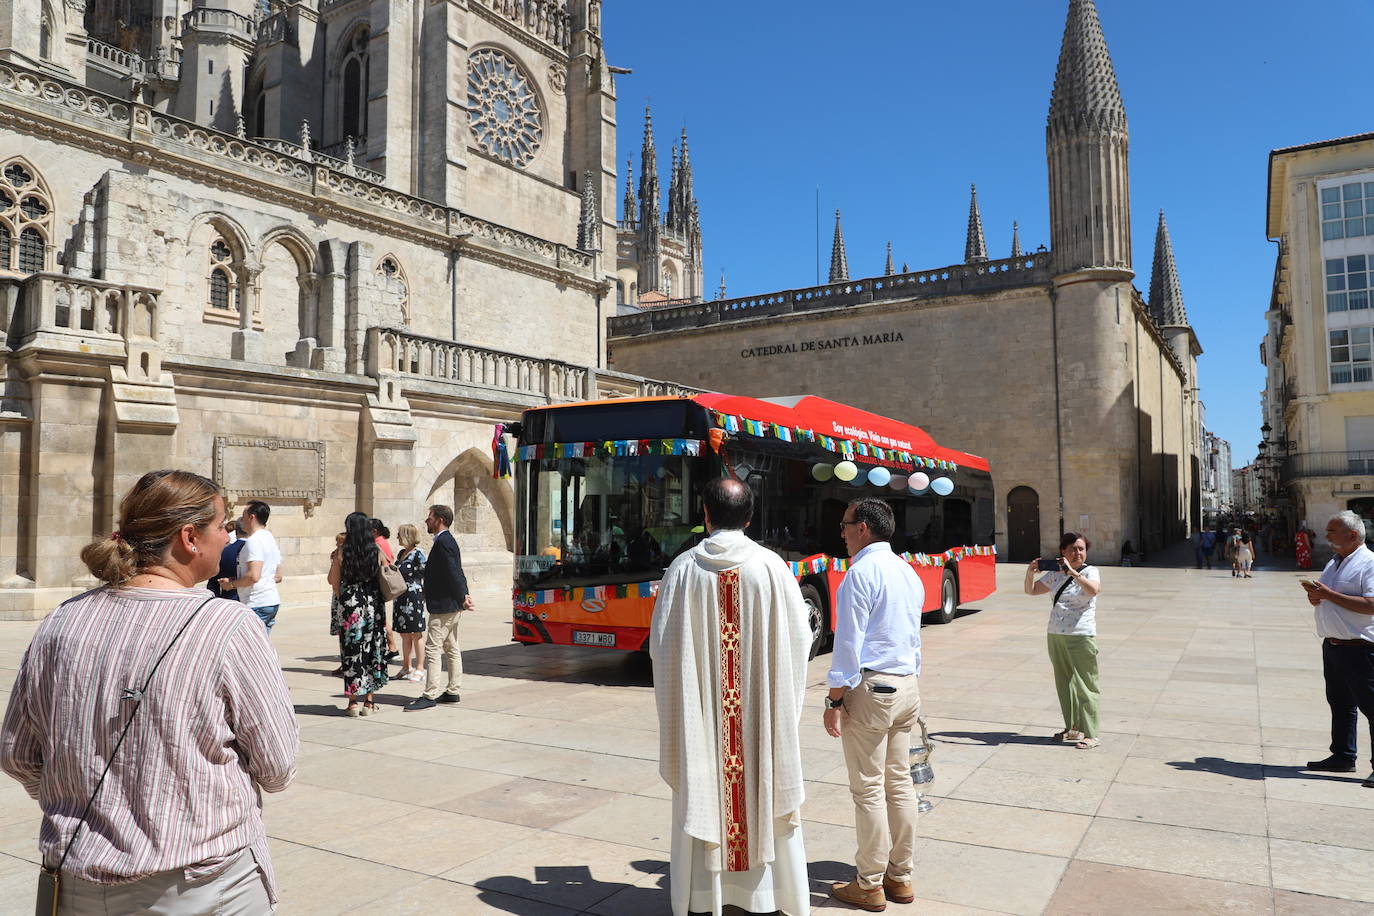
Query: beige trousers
{"type": "Point", "coordinates": [876, 736]}
{"type": "Point", "coordinates": [239, 890]}
{"type": "Point", "coordinates": [441, 637]}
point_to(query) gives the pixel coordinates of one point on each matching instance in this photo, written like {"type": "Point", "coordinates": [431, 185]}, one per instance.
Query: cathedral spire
{"type": "Point", "coordinates": [839, 261]}
{"type": "Point", "coordinates": [1015, 239]}
{"type": "Point", "coordinates": [674, 218]}
{"type": "Point", "coordinates": [976, 245]}
{"type": "Point", "coordinates": [1166, 295]}
{"type": "Point", "coordinates": [631, 202]}
{"type": "Point", "coordinates": [721, 293]}
{"type": "Point", "coordinates": [1087, 142]}
{"type": "Point", "coordinates": [589, 226]}
{"type": "Point", "coordinates": [887, 268]}
{"type": "Point", "coordinates": [649, 202]}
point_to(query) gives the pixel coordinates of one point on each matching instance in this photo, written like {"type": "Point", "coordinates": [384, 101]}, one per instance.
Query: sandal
{"type": "Point", "coordinates": [1087, 744]}
{"type": "Point", "coordinates": [371, 709]}
{"type": "Point", "coordinates": [1068, 736]}
{"type": "Point", "coordinates": [354, 710]}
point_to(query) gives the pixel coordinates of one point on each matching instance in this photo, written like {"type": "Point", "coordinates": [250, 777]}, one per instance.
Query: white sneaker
{"type": "Point", "coordinates": [415, 676]}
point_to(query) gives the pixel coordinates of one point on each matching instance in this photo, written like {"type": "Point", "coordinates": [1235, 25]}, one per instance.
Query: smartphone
{"type": "Point", "coordinates": [1050, 564]}
{"type": "Point", "coordinates": [1307, 584]}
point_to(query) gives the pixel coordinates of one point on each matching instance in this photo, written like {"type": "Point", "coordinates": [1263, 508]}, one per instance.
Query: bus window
{"type": "Point", "coordinates": [958, 521]}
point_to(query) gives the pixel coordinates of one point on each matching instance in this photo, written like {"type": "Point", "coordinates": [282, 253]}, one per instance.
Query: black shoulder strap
{"type": "Point", "coordinates": [1068, 580]}
{"type": "Point", "coordinates": [130, 693]}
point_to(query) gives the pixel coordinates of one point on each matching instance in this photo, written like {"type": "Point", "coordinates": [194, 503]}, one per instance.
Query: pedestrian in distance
{"type": "Point", "coordinates": [148, 717]}
{"type": "Point", "coordinates": [446, 597]}
{"type": "Point", "coordinates": [874, 702]}
{"type": "Point", "coordinates": [1245, 554]}
{"type": "Point", "coordinates": [228, 562]}
{"type": "Point", "coordinates": [1072, 635]}
{"type": "Point", "coordinates": [336, 609]}
{"type": "Point", "coordinates": [1209, 546]}
{"type": "Point", "coordinates": [353, 577]}
{"type": "Point", "coordinates": [1343, 606]}
{"type": "Point", "coordinates": [1233, 551]}
{"type": "Point", "coordinates": [259, 565]}
{"type": "Point", "coordinates": [382, 535]}
{"type": "Point", "coordinates": [729, 641]}
{"type": "Point", "coordinates": [408, 610]}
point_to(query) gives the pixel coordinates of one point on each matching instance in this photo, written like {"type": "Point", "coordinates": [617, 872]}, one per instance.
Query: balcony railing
{"type": "Point", "coordinates": [1329, 464]}
{"type": "Point", "coordinates": [216, 20]}
{"type": "Point", "coordinates": [92, 310]}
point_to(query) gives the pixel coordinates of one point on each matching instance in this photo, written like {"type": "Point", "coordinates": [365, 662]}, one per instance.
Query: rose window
{"type": "Point", "coordinates": [503, 109]}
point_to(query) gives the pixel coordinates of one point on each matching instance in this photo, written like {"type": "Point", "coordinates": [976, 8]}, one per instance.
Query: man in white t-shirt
{"type": "Point", "coordinates": [1343, 606]}
{"type": "Point", "coordinates": [259, 568]}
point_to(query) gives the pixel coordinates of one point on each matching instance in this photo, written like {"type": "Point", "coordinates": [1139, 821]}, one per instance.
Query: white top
{"type": "Point", "coordinates": [260, 547]}
{"type": "Point", "coordinates": [1075, 613]}
{"type": "Point", "coordinates": [877, 618]}
{"type": "Point", "coordinates": [1353, 576]}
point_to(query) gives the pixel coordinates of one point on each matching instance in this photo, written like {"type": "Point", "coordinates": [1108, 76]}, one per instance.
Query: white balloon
{"type": "Point", "coordinates": [846, 470]}
{"type": "Point", "coordinates": [918, 482]}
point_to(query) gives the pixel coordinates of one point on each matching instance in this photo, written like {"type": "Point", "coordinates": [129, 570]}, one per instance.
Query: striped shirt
{"type": "Point", "coordinates": [216, 726]}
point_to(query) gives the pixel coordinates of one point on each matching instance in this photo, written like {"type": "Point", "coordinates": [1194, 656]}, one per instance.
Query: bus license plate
{"type": "Point", "coordinates": [587, 638]}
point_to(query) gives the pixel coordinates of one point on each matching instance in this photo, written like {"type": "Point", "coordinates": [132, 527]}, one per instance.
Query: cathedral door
{"type": "Point", "coordinates": [1023, 525]}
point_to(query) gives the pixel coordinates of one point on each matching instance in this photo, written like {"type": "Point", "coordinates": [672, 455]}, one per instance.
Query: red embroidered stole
{"type": "Point", "coordinates": [735, 818]}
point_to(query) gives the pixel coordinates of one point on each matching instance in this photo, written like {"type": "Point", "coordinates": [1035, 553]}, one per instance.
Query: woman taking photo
{"type": "Point", "coordinates": [408, 611]}
{"type": "Point", "coordinates": [353, 576]}
{"type": "Point", "coordinates": [177, 821]}
{"type": "Point", "coordinates": [1072, 635]}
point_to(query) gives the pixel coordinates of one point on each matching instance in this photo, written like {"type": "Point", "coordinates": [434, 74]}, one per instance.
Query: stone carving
{"type": "Point", "coordinates": [281, 470]}
{"type": "Point", "coordinates": [505, 115]}
{"type": "Point", "coordinates": [558, 76]}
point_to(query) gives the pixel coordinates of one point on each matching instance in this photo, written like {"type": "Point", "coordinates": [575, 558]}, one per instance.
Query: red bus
{"type": "Point", "coordinates": [609, 492]}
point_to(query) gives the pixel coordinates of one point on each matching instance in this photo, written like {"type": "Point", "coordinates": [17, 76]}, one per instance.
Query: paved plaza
{"type": "Point", "coordinates": [539, 794]}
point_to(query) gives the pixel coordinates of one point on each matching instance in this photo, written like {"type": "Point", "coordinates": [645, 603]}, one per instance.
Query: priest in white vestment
{"type": "Point", "coordinates": [729, 641]}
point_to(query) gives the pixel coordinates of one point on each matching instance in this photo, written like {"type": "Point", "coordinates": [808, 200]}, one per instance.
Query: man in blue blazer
{"type": "Point", "coordinates": [446, 597]}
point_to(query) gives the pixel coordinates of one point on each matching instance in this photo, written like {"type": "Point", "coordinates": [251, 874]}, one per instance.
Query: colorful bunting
{"type": "Point", "coordinates": [845, 447]}
{"type": "Point", "coordinates": [620, 448]}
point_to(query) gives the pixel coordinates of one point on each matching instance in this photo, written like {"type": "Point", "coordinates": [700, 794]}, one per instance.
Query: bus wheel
{"type": "Point", "coordinates": [949, 598]}
{"type": "Point", "coordinates": [815, 618]}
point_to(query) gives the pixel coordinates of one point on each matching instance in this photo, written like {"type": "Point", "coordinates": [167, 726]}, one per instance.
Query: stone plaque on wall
{"type": "Point", "coordinates": [276, 470]}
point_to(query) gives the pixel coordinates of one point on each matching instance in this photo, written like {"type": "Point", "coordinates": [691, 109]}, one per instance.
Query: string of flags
{"type": "Point", "coordinates": [820, 564]}
{"type": "Point", "coordinates": [526, 598]}
{"type": "Point", "coordinates": [619, 448]}
{"type": "Point", "coordinates": [847, 447]}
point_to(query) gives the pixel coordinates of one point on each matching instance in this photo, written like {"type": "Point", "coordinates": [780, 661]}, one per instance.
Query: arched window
{"type": "Point", "coordinates": [354, 87]}
{"type": "Point", "coordinates": [395, 289]}
{"type": "Point", "coordinates": [224, 292]}
{"type": "Point", "coordinates": [25, 219]}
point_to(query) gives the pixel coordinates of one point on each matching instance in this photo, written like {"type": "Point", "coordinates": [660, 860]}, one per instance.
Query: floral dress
{"type": "Point", "coordinates": [408, 613]}
{"type": "Point", "coordinates": [363, 638]}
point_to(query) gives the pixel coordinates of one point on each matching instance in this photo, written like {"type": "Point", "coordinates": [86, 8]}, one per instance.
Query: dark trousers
{"type": "Point", "coordinates": [1349, 672]}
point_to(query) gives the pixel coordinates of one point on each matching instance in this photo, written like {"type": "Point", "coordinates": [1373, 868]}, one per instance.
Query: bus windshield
{"type": "Point", "coordinates": [605, 519]}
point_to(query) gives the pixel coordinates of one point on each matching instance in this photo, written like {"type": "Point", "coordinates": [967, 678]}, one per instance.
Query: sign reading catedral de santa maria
{"type": "Point", "coordinates": [814, 346]}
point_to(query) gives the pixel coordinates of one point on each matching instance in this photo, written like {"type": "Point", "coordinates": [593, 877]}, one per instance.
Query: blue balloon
{"type": "Point", "coordinates": [879, 477]}
{"type": "Point", "coordinates": [942, 486]}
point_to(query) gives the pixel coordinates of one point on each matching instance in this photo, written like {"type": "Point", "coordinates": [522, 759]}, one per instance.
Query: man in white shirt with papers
{"type": "Point", "coordinates": [259, 565]}
{"type": "Point", "coordinates": [1343, 605]}
{"type": "Point", "coordinates": [874, 701]}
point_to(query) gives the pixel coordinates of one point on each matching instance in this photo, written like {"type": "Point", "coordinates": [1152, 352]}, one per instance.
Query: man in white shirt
{"type": "Point", "coordinates": [874, 701]}
{"type": "Point", "coordinates": [1343, 602]}
{"type": "Point", "coordinates": [259, 568]}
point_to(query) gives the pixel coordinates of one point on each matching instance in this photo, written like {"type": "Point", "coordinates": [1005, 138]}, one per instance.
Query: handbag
{"type": "Point", "coordinates": [50, 879]}
{"type": "Point", "coordinates": [390, 581]}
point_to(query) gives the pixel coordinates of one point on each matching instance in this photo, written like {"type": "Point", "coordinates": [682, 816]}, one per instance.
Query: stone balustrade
{"type": "Point", "coordinates": [351, 169]}
{"type": "Point", "coordinates": [1027, 270]}
{"type": "Point", "coordinates": [56, 304]}
{"type": "Point", "coordinates": [219, 20]}
{"type": "Point", "coordinates": [547, 20]}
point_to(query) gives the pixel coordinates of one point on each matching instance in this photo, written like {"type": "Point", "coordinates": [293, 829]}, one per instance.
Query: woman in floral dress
{"type": "Point", "coordinates": [408, 613]}
{"type": "Point", "coordinates": [353, 576]}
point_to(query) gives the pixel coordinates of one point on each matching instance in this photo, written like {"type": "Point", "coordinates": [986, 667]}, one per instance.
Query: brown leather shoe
{"type": "Point", "coordinates": [898, 891]}
{"type": "Point", "coordinates": [874, 901]}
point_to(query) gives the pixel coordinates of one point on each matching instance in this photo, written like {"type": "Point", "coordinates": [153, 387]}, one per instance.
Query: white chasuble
{"type": "Point", "coordinates": [729, 641]}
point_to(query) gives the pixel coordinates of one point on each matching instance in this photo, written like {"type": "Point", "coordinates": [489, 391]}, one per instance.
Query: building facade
{"type": "Point", "coordinates": [314, 249]}
{"type": "Point", "coordinates": [1218, 496]}
{"type": "Point", "coordinates": [1319, 397]}
{"type": "Point", "coordinates": [1081, 391]}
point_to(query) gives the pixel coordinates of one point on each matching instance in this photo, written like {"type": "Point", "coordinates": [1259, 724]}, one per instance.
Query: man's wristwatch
{"type": "Point", "coordinates": [834, 704]}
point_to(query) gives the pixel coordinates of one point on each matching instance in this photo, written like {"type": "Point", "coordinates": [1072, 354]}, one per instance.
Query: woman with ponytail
{"type": "Point", "coordinates": [178, 808]}
{"type": "Point", "coordinates": [353, 576]}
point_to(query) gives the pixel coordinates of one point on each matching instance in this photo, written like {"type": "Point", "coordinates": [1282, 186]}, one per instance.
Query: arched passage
{"type": "Point", "coordinates": [483, 507]}
{"type": "Point", "coordinates": [1023, 525]}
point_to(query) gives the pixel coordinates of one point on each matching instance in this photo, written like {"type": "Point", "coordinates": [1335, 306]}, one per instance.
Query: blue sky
{"type": "Point", "coordinates": [893, 108]}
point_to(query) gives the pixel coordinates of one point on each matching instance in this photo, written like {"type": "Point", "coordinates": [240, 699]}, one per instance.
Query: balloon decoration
{"type": "Point", "coordinates": [879, 477]}
{"type": "Point", "coordinates": [822, 472]}
{"type": "Point", "coordinates": [918, 482]}
{"type": "Point", "coordinates": [942, 486]}
{"type": "Point", "coordinates": [846, 471]}
{"type": "Point", "coordinates": [898, 482]}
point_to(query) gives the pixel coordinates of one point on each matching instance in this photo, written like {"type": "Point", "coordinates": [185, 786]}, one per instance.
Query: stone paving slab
{"type": "Point", "coordinates": [539, 794]}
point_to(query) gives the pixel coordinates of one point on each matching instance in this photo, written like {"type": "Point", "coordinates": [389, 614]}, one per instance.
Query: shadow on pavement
{"type": "Point", "coordinates": [318, 709]}
{"type": "Point", "coordinates": [566, 664]}
{"type": "Point", "coordinates": [1223, 767]}
{"type": "Point", "coordinates": [571, 886]}
{"type": "Point", "coordinates": [989, 738]}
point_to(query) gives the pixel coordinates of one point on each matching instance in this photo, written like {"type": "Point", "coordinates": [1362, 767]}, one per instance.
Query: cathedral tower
{"type": "Point", "coordinates": [1087, 143]}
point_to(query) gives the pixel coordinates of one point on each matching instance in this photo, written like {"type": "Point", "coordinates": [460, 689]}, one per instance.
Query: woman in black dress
{"type": "Point", "coordinates": [353, 576]}
{"type": "Point", "coordinates": [408, 612]}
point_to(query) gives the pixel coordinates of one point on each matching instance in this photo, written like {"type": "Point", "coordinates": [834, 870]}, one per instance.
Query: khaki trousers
{"type": "Point", "coordinates": [876, 735]}
{"type": "Point", "coordinates": [239, 890]}
{"type": "Point", "coordinates": [441, 636]}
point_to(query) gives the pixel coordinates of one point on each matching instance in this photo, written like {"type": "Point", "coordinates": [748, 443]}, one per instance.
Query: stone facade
{"type": "Point", "coordinates": [1081, 393]}
{"type": "Point", "coordinates": [224, 247]}
{"type": "Point", "coordinates": [1319, 398]}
